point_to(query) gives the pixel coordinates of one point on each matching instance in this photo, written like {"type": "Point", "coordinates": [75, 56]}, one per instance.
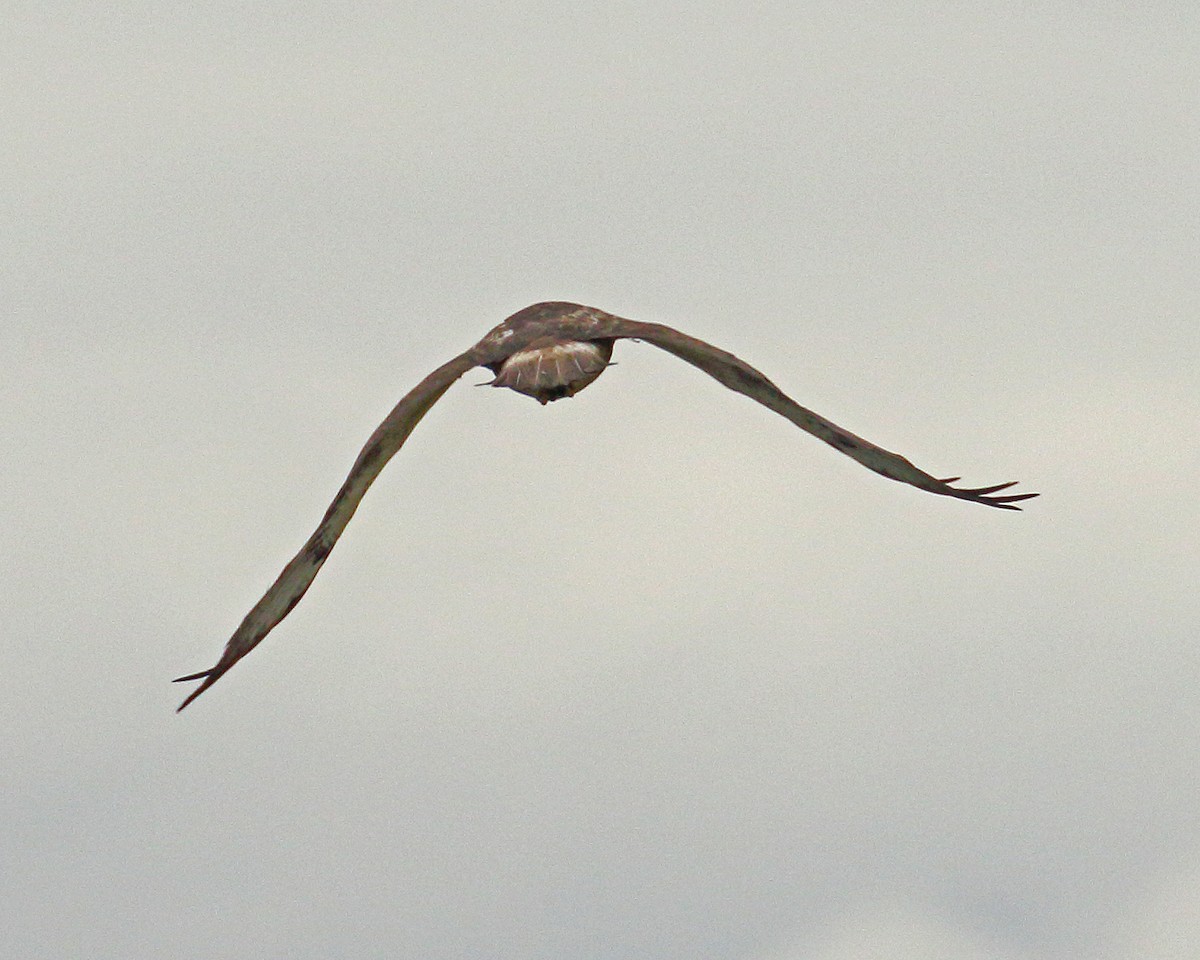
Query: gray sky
{"type": "Point", "coordinates": [649, 673]}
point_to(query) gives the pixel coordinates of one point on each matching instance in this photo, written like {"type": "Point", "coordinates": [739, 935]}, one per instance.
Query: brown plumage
{"type": "Point", "coordinates": [549, 351]}
{"type": "Point", "coordinates": [550, 369]}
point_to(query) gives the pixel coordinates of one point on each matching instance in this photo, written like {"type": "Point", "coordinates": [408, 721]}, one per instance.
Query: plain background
{"type": "Point", "coordinates": [649, 673]}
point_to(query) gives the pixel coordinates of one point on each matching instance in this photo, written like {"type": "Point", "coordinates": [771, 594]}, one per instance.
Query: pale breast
{"type": "Point", "coordinates": [550, 369]}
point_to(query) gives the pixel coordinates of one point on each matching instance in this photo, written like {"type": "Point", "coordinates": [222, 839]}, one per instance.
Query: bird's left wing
{"type": "Point", "coordinates": [296, 577]}
{"type": "Point", "coordinates": [740, 376]}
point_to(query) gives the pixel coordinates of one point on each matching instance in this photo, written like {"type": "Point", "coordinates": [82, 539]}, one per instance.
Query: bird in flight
{"type": "Point", "coordinates": [549, 351]}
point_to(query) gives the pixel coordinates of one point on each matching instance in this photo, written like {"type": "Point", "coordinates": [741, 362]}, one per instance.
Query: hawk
{"type": "Point", "coordinates": [549, 351]}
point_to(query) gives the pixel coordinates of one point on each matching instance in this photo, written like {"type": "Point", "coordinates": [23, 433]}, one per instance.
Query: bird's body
{"type": "Point", "coordinates": [552, 369]}
{"type": "Point", "coordinates": [550, 351]}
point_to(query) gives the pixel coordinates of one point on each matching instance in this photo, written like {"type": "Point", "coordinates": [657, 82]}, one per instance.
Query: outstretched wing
{"type": "Point", "coordinates": [740, 376]}
{"type": "Point", "coordinates": [298, 575]}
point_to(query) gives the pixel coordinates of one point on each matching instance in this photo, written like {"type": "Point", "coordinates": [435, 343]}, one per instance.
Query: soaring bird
{"type": "Point", "coordinates": [549, 351]}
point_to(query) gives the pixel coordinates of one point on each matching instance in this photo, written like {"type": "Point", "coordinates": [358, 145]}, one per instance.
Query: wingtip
{"type": "Point", "coordinates": [1010, 502]}
{"type": "Point", "coordinates": [208, 676]}
{"type": "Point", "coordinates": [986, 495]}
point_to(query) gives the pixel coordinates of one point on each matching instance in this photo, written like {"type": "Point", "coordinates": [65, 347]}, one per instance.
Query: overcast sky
{"type": "Point", "coordinates": [648, 673]}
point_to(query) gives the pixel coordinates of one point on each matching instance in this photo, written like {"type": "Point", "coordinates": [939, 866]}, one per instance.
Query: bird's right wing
{"type": "Point", "coordinates": [298, 575]}
{"type": "Point", "coordinates": [740, 376]}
